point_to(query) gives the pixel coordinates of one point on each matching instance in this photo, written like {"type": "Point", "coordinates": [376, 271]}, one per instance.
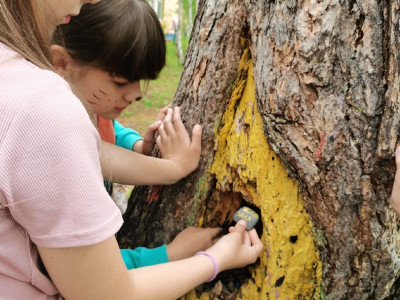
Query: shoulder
{"type": "Point", "coordinates": [21, 79]}
{"type": "Point", "coordinates": [38, 101]}
{"type": "Point", "coordinates": [24, 82]}
{"type": "Point", "coordinates": [27, 89]}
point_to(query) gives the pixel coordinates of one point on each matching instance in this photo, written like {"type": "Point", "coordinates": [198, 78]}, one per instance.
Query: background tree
{"type": "Point", "coordinates": [178, 34]}
{"type": "Point", "coordinates": [299, 106]}
{"type": "Point", "coordinates": [189, 22]}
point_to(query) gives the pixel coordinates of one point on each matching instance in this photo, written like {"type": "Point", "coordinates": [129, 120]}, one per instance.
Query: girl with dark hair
{"type": "Point", "coordinates": [104, 52]}
{"type": "Point", "coordinates": [57, 222]}
{"type": "Point", "coordinates": [109, 48]}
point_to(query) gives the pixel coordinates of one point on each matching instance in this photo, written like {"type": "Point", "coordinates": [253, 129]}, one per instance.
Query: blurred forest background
{"type": "Point", "coordinates": [176, 17]}
{"type": "Point", "coordinates": [161, 91]}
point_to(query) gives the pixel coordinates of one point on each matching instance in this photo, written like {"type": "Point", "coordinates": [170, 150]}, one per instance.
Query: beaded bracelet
{"type": "Point", "coordinates": [214, 262]}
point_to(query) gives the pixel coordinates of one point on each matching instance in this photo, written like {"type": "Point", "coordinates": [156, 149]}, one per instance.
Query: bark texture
{"type": "Point", "coordinates": [326, 80]}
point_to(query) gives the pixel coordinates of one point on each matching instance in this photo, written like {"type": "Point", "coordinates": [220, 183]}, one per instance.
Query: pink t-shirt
{"type": "Point", "coordinates": [51, 188]}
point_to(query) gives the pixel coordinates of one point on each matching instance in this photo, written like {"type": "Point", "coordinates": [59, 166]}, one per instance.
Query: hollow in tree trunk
{"type": "Point", "coordinates": [299, 106]}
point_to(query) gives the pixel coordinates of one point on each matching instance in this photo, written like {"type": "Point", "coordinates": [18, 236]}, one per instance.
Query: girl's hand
{"type": "Point", "coordinates": [238, 248]}
{"type": "Point", "coordinates": [190, 241]}
{"type": "Point", "coordinates": [146, 145]}
{"type": "Point", "coordinates": [175, 145]}
{"type": "Point", "coordinates": [162, 113]}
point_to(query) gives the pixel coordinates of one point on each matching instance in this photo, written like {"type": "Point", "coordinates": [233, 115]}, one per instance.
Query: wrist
{"type": "Point", "coordinates": [171, 253]}
{"type": "Point", "coordinates": [138, 146]}
{"type": "Point", "coordinates": [148, 147]}
{"type": "Point", "coordinates": [214, 261]}
{"type": "Point", "coordinates": [177, 170]}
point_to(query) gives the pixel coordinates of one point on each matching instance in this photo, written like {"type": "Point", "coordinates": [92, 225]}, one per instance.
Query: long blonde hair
{"type": "Point", "coordinates": [23, 28]}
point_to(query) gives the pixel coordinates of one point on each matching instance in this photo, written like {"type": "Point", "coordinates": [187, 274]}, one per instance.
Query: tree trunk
{"type": "Point", "coordinates": [299, 106]}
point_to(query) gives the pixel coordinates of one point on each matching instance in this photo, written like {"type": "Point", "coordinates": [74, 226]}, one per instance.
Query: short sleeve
{"type": "Point", "coordinates": [125, 137]}
{"type": "Point", "coordinates": [51, 173]}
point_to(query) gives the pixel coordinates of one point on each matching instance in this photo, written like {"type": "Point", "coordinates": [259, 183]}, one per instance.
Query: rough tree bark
{"type": "Point", "coordinates": [299, 103]}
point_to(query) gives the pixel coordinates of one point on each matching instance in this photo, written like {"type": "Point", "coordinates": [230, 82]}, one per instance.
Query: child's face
{"type": "Point", "coordinates": [107, 96]}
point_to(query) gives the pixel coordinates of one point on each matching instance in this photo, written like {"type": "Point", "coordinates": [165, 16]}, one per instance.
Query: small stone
{"type": "Point", "coordinates": [247, 214]}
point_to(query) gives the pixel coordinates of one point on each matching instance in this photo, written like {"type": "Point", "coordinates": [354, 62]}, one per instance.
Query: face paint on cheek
{"type": "Point", "coordinates": [94, 102]}
{"type": "Point", "coordinates": [101, 99]}
{"type": "Point", "coordinates": [94, 95]}
{"type": "Point", "coordinates": [108, 104]}
{"type": "Point", "coordinates": [112, 102]}
{"type": "Point", "coordinates": [91, 102]}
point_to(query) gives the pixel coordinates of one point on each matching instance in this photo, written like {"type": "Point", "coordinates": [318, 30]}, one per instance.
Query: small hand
{"type": "Point", "coordinates": [238, 248]}
{"type": "Point", "coordinates": [146, 145]}
{"type": "Point", "coordinates": [175, 145]}
{"type": "Point", "coordinates": [162, 113]}
{"type": "Point", "coordinates": [190, 241]}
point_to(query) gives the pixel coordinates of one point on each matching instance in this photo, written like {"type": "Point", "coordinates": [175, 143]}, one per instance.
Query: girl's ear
{"type": "Point", "coordinates": [62, 61]}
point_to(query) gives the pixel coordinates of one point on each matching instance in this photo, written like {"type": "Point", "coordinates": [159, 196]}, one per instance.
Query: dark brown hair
{"type": "Point", "coordinates": [122, 37]}
{"type": "Point", "coordinates": [23, 28]}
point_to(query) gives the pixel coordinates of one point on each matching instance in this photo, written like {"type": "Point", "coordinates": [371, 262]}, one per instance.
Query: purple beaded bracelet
{"type": "Point", "coordinates": [214, 262]}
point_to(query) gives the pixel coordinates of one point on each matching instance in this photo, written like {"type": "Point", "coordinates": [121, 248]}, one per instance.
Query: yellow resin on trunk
{"type": "Point", "coordinates": [289, 266]}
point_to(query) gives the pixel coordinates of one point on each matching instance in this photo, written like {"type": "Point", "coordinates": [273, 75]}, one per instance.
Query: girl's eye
{"type": "Point", "coordinates": [121, 83]}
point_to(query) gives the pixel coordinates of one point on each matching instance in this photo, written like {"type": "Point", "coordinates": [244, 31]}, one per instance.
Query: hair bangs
{"type": "Point", "coordinates": [135, 44]}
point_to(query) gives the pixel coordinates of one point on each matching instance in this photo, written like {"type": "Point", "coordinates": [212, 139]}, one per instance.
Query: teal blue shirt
{"type": "Point", "coordinates": [141, 257]}
{"type": "Point", "coordinates": [125, 137]}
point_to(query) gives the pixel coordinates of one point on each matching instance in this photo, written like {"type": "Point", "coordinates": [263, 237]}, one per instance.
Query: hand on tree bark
{"type": "Point", "coordinates": [190, 241]}
{"type": "Point", "coordinates": [146, 145]}
{"type": "Point", "coordinates": [175, 145]}
{"type": "Point", "coordinates": [238, 248]}
{"type": "Point", "coordinates": [395, 196]}
{"type": "Point", "coordinates": [162, 113]}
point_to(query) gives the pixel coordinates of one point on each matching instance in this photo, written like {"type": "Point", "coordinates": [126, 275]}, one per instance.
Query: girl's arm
{"type": "Point", "coordinates": [142, 257]}
{"type": "Point", "coordinates": [98, 272]}
{"type": "Point", "coordinates": [180, 156]}
{"type": "Point", "coordinates": [192, 240]}
{"type": "Point", "coordinates": [188, 242]}
{"type": "Point", "coordinates": [126, 137]}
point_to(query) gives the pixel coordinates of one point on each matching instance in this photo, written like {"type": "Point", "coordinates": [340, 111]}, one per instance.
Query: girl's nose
{"type": "Point", "coordinates": [137, 99]}
{"type": "Point", "coordinates": [133, 93]}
